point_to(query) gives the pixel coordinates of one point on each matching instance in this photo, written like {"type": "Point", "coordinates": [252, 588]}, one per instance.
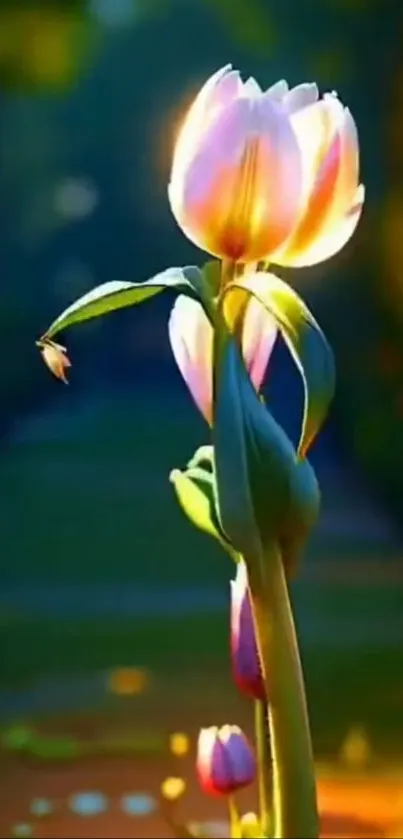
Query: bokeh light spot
{"type": "Point", "coordinates": [138, 804]}
{"type": "Point", "coordinates": [173, 788]}
{"type": "Point", "coordinates": [179, 744]}
{"type": "Point", "coordinates": [128, 681]}
{"type": "Point", "coordinates": [40, 807]}
{"type": "Point", "coordinates": [88, 803]}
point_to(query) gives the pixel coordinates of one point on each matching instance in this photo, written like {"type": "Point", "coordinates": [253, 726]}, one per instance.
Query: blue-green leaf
{"type": "Point", "coordinates": [306, 341]}
{"type": "Point", "coordinates": [266, 494]}
{"type": "Point", "coordinates": [111, 296]}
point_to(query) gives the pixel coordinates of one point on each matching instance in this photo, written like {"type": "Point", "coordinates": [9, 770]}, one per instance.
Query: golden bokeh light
{"type": "Point", "coordinates": [173, 788]}
{"type": "Point", "coordinates": [128, 681]}
{"type": "Point", "coordinates": [179, 744]}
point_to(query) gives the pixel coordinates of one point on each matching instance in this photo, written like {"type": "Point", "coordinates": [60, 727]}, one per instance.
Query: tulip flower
{"type": "Point", "coordinates": [246, 666]}
{"type": "Point", "coordinates": [266, 175]}
{"type": "Point", "coordinates": [225, 760]}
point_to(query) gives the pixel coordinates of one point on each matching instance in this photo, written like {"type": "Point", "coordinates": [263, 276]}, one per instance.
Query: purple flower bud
{"type": "Point", "coordinates": [225, 760]}
{"type": "Point", "coordinates": [246, 666]}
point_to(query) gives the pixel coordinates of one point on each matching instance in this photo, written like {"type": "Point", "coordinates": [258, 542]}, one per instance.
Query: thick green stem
{"type": "Point", "coordinates": [294, 790]}
{"type": "Point", "coordinates": [264, 766]}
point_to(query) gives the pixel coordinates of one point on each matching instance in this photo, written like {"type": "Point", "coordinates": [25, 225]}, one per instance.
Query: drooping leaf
{"type": "Point", "coordinates": [114, 295]}
{"type": "Point", "coordinates": [302, 334]}
{"type": "Point", "coordinates": [266, 494]}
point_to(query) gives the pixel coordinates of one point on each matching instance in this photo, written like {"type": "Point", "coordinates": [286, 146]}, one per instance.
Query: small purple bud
{"type": "Point", "coordinates": [225, 760]}
{"type": "Point", "coordinates": [246, 666]}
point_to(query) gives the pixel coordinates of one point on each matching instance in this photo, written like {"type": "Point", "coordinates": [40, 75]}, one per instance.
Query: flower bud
{"type": "Point", "coordinates": [225, 760]}
{"type": "Point", "coordinates": [244, 652]}
{"type": "Point", "coordinates": [55, 358]}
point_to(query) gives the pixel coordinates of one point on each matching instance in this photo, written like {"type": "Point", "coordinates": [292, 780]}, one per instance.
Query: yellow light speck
{"type": "Point", "coordinates": [179, 744]}
{"type": "Point", "coordinates": [173, 788]}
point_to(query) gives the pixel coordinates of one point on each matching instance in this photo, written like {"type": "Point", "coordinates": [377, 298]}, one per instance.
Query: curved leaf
{"type": "Point", "coordinates": [266, 495]}
{"type": "Point", "coordinates": [302, 334]}
{"type": "Point", "coordinates": [204, 458]}
{"type": "Point", "coordinates": [195, 491]}
{"type": "Point", "coordinates": [111, 296]}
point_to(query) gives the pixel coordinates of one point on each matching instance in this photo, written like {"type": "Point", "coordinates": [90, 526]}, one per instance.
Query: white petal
{"type": "Point", "coordinates": [252, 88]}
{"type": "Point", "coordinates": [301, 96]}
{"type": "Point", "coordinates": [191, 337]}
{"type": "Point", "coordinates": [277, 91]}
{"type": "Point", "coordinates": [217, 92]}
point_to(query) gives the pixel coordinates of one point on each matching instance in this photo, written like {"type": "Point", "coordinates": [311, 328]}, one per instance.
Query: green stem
{"type": "Point", "coordinates": [234, 820]}
{"type": "Point", "coordinates": [294, 791]}
{"type": "Point", "coordinates": [264, 765]}
{"type": "Point", "coordinates": [228, 271]}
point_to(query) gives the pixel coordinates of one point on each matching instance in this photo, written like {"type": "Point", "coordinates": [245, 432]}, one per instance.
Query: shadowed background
{"type": "Point", "coordinates": [99, 569]}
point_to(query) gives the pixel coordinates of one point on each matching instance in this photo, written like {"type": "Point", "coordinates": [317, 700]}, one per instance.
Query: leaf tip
{"type": "Point", "coordinates": [174, 475]}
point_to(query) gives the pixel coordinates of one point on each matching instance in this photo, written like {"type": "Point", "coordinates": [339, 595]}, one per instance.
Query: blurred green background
{"type": "Point", "coordinates": [98, 566]}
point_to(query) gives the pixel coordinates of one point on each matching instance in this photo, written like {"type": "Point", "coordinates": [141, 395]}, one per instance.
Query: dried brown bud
{"type": "Point", "coordinates": [54, 356]}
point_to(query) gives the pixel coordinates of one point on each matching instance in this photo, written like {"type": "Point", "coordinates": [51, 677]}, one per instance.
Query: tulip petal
{"type": "Point", "coordinates": [246, 667]}
{"type": "Point", "coordinates": [191, 337]}
{"type": "Point", "coordinates": [242, 192]}
{"type": "Point", "coordinates": [314, 126]}
{"type": "Point", "coordinates": [251, 87]}
{"type": "Point", "coordinates": [222, 780]}
{"type": "Point", "coordinates": [219, 90]}
{"type": "Point", "coordinates": [278, 90]}
{"type": "Point", "coordinates": [205, 749]}
{"type": "Point", "coordinates": [328, 138]}
{"type": "Point", "coordinates": [301, 96]}
{"type": "Point", "coordinates": [242, 760]}
{"type": "Point", "coordinates": [347, 181]}
{"type": "Point", "coordinates": [331, 243]}
{"type": "Point", "coordinates": [259, 335]}
{"type": "Point", "coordinates": [212, 764]}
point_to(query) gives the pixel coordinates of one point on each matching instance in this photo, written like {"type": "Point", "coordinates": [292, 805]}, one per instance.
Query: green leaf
{"type": "Point", "coordinates": [111, 296]}
{"type": "Point", "coordinates": [196, 494]}
{"type": "Point", "coordinates": [303, 336]}
{"type": "Point", "coordinates": [266, 495]}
